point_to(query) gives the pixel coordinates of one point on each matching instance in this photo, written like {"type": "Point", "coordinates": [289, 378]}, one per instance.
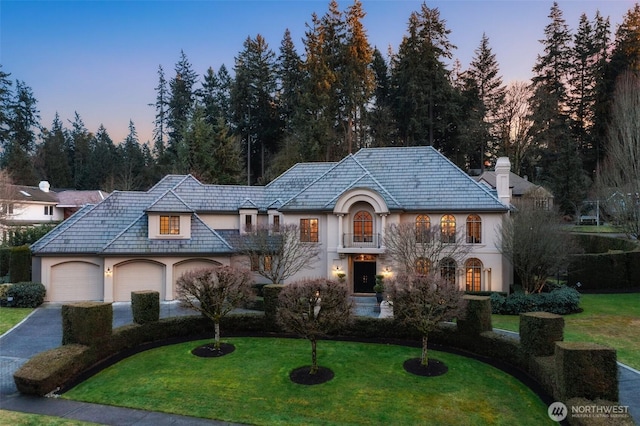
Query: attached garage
{"type": "Point", "coordinates": [137, 275]}
{"type": "Point", "coordinates": [74, 282]}
{"type": "Point", "coordinates": [189, 265]}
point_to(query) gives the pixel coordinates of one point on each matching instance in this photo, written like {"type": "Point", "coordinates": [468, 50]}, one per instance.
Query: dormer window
{"type": "Point", "coordinates": [169, 225]}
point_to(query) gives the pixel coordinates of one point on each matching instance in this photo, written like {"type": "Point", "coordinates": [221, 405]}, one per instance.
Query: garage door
{"type": "Point", "coordinates": [74, 282]}
{"type": "Point", "coordinates": [137, 276]}
{"type": "Point", "coordinates": [189, 265]}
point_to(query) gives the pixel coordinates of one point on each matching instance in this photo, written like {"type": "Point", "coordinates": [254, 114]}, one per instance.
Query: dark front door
{"type": "Point", "coordinates": [364, 277]}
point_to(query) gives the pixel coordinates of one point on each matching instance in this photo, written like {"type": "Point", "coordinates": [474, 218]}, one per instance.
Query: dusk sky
{"type": "Point", "coordinates": [100, 58]}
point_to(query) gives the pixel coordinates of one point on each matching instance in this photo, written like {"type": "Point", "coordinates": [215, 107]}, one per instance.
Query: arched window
{"type": "Point", "coordinates": [448, 270]}
{"type": "Point", "coordinates": [423, 228]}
{"type": "Point", "coordinates": [473, 268]}
{"type": "Point", "coordinates": [423, 266]}
{"type": "Point", "coordinates": [448, 229]}
{"type": "Point", "coordinates": [474, 229]}
{"type": "Point", "coordinates": [362, 227]}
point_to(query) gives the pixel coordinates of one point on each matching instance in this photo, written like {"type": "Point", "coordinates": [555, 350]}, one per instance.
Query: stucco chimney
{"type": "Point", "coordinates": [44, 186]}
{"type": "Point", "coordinates": [503, 166]}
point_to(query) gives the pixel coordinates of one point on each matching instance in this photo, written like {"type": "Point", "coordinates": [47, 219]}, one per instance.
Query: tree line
{"type": "Point", "coordinates": [278, 108]}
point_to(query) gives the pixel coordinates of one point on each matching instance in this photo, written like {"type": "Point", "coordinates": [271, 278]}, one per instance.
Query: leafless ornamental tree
{"type": "Point", "coordinates": [536, 245]}
{"type": "Point", "coordinates": [7, 196]}
{"type": "Point", "coordinates": [422, 301]}
{"type": "Point", "coordinates": [620, 178]}
{"type": "Point", "coordinates": [277, 253]}
{"type": "Point", "coordinates": [419, 249]}
{"type": "Point", "coordinates": [214, 292]}
{"type": "Point", "coordinates": [314, 308]}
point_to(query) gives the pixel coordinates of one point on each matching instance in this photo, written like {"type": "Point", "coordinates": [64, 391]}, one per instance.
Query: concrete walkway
{"type": "Point", "coordinates": [42, 330]}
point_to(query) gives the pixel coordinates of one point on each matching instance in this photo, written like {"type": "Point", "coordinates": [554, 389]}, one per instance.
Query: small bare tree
{"type": "Point", "coordinates": [536, 246]}
{"type": "Point", "coordinates": [214, 292]}
{"type": "Point", "coordinates": [419, 249]}
{"type": "Point", "coordinates": [277, 253]}
{"type": "Point", "coordinates": [620, 177]}
{"type": "Point", "coordinates": [7, 195]}
{"type": "Point", "coordinates": [314, 308]}
{"type": "Point", "coordinates": [423, 301]}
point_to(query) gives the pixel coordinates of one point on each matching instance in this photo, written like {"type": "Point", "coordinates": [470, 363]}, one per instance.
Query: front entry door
{"type": "Point", "coordinates": [364, 277]}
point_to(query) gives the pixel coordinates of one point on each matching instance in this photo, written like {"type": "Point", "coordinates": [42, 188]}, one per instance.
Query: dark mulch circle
{"type": "Point", "coordinates": [301, 375]}
{"type": "Point", "coordinates": [432, 369]}
{"type": "Point", "coordinates": [209, 350]}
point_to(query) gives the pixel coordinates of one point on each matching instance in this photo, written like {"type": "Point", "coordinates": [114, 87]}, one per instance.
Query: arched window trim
{"type": "Point", "coordinates": [448, 229]}
{"type": "Point", "coordinates": [473, 274]}
{"type": "Point", "coordinates": [423, 228]}
{"type": "Point", "coordinates": [448, 269]}
{"type": "Point", "coordinates": [362, 227]}
{"type": "Point", "coordinates": [474, 229]}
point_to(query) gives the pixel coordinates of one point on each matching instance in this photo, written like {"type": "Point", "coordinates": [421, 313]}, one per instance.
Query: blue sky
{"type": "Point", "coordinates": [100, 58]}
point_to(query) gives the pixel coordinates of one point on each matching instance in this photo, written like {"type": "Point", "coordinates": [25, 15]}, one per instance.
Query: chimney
{"type": "Point", "coordinates": [44, 186]}
{"type": "Point", "coordinates": [503, 166]}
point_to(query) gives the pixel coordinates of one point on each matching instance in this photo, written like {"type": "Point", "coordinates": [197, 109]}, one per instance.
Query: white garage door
{"type": "Point", "coordinates": [189, 265]}
{"type": "Point", "coordinates": [137, 276]}
{"type": "Point", "coordinates": [74, 282]}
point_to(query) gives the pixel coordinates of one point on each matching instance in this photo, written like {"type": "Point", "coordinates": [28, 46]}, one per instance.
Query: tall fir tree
{"type": "Point", "coordinates": [6, 94]}
{"type": "Point", "coordinates": [420, 80]}
{"type": "Point", "coordinates": [52, 161]}
{"type": "Point", "coordinates": [181, 98]}
{"type": "Point", "coordinates": [102, 160]}
{"type": "Point", "coordinates": [379, 118]}
{"type": "Point", "coordinates": [484, 71]}
{"type": "Point", "coordinates": [254, 105]}
{"type": "Point", "coordinates": [130, 167]}
{"type": "Point", "coordinates": [24, 121]}
{"type": "Point", "coordinates": [80, 141]}
{"type": "Point", "coordinates": [161, 117]}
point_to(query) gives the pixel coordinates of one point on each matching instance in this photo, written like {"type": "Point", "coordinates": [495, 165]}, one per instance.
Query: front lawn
{"type": "Point", "coordinates": [252, 385]}
{"type": "Point", "coordinates": [9, 317]}
{"type": "Point", "coordinates": [608, 319]}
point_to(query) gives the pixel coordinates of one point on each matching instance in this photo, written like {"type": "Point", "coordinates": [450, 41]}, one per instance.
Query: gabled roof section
{"type": "Point", "coordinates": [134, 240]}
{"type": "Point", "coordinates": [169, 203]}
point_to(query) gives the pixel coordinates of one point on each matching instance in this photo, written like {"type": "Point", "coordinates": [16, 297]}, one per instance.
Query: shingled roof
{"type": "Point", "coordinates": [408, 179]}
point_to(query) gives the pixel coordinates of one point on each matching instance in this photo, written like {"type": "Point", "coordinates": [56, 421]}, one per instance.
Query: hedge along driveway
{"type": "Point", "coordinates": [251, 385]}
{"type": "Point", "coordinates": [608, 319]}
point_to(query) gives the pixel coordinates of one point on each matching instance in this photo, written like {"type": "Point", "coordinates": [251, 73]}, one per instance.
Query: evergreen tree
{"type": "Point", "coordinates": [290, 77]}
{"type": "Point", "coordinates": [254, 104]}
{"type": "Point", "coordinates": [102, 160]}
{"type": "Point", "coordinates": [24, 120]}
{"type": "Point", "coordinates": [181, 98]}
{"type": "Point", "coordinates": [227, 154]}
{"type": "Point", "coordinates": [484, 72]}
{"type": "Point", "coordinates": [80, 141]}
{"type": "Point", "coordinates": [51, 156]}
{"type": "Point", "coordinates": [420, 81]}
{"type": "Point", "coordinates": [131, 164]}
{"type": "Point", "coordinates": [223, 94]}
{"type": "Point", "coordinates": [6, 95]}
{"type": "Point", "coordinates": [161, 117]}
{"type": "Point", "coordinates": [357, 79]}
{"type": "Point", "coordinates": [207, 96]}
{"type": "Point", "coordinates": [195, 156]}
{"type": "Point", "coordinates": [561, 162]}
{"type": "Point", "coordinates": [380, 123]}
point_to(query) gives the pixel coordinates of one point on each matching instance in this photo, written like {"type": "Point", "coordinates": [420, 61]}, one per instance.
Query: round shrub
{"type": "Point", "coordinates": [26, 294]}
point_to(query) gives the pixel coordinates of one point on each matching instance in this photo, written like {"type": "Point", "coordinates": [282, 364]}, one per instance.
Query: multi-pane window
{"type": "Point", "coordinates": [474, 229]}
{"type": "Point", "coordinates": [247, 223]}
{"type": "Point", "coordinates": [169, 225]}
{"type": "Point", "coordinates": [448, 270]}
{"type": "Point", "coordinates": [448, 229]}
{"type": "Point", "coordinates": [309, 230]}
{"type": "Point", "coordinates": [473, 268]}
{"type": "Point", "coordinates": [261, 263]}
{"type": "Point", "coordinates": [362, 227]}
{"type": "Point", "coordinates": [423, 228]}
{"type": "Point", "coordinates": [423, 266]}
{"type": "Point", "coordinates": [276, 223]}
{"type": "Point", "coordinates": [48, 210]}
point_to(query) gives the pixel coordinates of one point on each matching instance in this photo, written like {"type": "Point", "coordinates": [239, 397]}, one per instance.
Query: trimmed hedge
{"type": "Point", "coordinates": [561, 301]}
{"type": "Point", "coordinates": [145, 306]}
{"type": "Point", "coordinates": [25, 294]}
{"type": "Point", "coordinates": [86, 323]}
{"type": "Point", "coordinates": [599, 244]}
{"type": "Point", "coordinates": [605, 271]}
{"type": "Point", "coordinates": [539, 332]}
{"type": "Point", "coordinates": [20, 264]}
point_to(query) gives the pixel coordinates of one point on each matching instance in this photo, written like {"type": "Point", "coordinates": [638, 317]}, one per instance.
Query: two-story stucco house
{"type": "Point", "coordinates": [146, 240]}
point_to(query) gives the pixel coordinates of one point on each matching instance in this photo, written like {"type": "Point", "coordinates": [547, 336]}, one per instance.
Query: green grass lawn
{"type": "Point", "coordinates": [370, 386]}
{"type": "Point", "coordinates": [12, 316]}
{"type": "Point", "coordinates": [608, 319]}
{"type": "Point", "coordinates": [23, 419]}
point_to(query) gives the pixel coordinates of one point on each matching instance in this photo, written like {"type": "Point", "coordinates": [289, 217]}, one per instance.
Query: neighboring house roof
{"type": "Point", "coordinates": [73, 198]}
{"type": "Point", "coordinates": [408, 178]}
{"type": "Point", "coordinates": [32, 194]}
{"type": "Point", "coordinates": [520, 186]}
